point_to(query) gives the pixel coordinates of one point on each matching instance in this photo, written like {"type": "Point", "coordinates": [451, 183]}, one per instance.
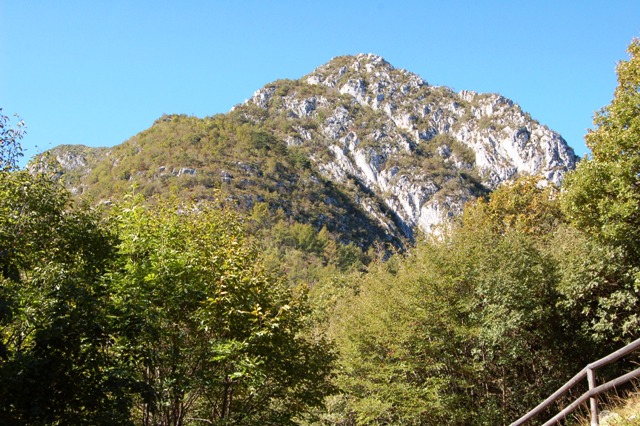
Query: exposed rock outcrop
{"type": "Point", "coordinates": [423, 150]}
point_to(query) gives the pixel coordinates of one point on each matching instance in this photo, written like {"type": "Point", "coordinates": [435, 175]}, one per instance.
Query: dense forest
{"type": "Point", "coordinates": [152, 311]}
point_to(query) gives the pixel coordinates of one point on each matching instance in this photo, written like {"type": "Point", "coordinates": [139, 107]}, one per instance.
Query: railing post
{"type": "Point", "coordinates": [593, 401]}
{"type": "Point", "coordinates": [591, 394]}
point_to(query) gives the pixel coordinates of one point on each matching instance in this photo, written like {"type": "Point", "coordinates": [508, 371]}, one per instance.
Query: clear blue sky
{"type": "Point", "coordinates": [98, 72]}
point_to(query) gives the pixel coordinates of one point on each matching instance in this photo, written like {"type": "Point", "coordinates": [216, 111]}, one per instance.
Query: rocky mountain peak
{"type": "Point", "coordinates": [405, 154]}
{"type": "Point", "coordinates": [407, 141]}
{"type": "Point", "coordinates": [354, 74]}
{"type": "Point", "coordinates": [362, 64]}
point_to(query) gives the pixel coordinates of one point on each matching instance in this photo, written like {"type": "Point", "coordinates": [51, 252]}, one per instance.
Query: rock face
{"type": "Point", "coordinates": [423, 150]}
{"type": "Point", "coordinates": [73, 161]}
{"type": "Point", "coordinates": [354, 139]}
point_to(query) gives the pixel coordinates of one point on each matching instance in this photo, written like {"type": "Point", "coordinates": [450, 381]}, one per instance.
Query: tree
{"type": "Point", "coordinates": [464, 329]}
{"type": "Point", "coordinates": [56, 325]}
{"type": "Point", "coordinates": [10, 148]}
{"type": "Point", "coordinates": [602, 200]}
{"type": "Point", "coordinates": [603, 194]}
{"type": "Point", "coordinates": [213, 335]}
{"type": "Point", "coordinates": [404, 344]}
{"type": "Point", "coordinates": [526, 205]}
{"type": "Point", "coordinates": [55, 332]}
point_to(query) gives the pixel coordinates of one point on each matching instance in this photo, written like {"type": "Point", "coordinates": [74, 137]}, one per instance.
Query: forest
{"type": "Point", "coordinates": [155, 311]}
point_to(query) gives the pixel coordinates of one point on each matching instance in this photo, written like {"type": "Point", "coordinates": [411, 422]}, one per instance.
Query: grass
{"type": "Point", "coordinates": [619, 411]}
{"type": "Point", "coordinates": [624, 412]}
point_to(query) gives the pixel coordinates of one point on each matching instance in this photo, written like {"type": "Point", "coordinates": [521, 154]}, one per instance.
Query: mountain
{"type": "Point", "coordinates": [366, 150]}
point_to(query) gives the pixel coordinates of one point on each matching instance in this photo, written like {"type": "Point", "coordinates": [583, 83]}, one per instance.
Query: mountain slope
{"type": "Point", "coordinates": [369, 151]}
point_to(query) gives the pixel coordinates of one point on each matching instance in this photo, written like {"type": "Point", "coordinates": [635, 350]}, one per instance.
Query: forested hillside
{"type": "Point", "coordinates": [182, 307]}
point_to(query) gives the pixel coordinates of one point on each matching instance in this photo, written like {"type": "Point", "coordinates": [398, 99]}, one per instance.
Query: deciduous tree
{"type": "Point", "coordinates": [56, 325]}
{"type": "Point", "coordinates": [10, 147]}
{"type": "Point", "coordinates": [213, 334]}
{"type": "Point", "coordinates": [602, 199]}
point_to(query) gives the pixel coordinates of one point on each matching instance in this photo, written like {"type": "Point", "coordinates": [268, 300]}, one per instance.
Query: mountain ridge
{"type": "Point", "coordinates": [405, 154]}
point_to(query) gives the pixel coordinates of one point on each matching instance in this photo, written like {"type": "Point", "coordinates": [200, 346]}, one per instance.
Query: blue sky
{"type": "Point", "coordinates": [98, 72]}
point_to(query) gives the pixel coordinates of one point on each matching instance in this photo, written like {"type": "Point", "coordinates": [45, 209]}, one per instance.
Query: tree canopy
{"type": "Point", "coordinates": [603, 194]}
{"type": "Point", "coordinates": [212, 333]}
{"type": "Point", "coordinates": [602, 199]}
{"type": "Point", "coordinates": [56, 325]}
{"type": "Point", "coordinates": [10, 147]}
{"type": "Point", "coordinates": [165, 312]}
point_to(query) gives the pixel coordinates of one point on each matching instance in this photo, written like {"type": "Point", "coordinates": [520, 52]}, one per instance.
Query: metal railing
{"type": "Point", "coordinates": [591, 394]}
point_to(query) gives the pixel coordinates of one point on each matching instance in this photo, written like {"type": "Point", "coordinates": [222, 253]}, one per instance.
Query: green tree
{"type": "Point", "coordinates": [526, 205]}
{"type": "Point", "coordinates": [56, 328]}
{"type": "Point", "coordinates": [10, 147]}
{"type": "Point", "coordinates": [464, 329]}
{"type": "Point", "coordinates": [404, 345]}
{"type": "Point", "coordinates": [602, 199]}
{"type": "Point", "coordinates": [213, 335]}
{"type": "Point", "coordinates": [603, 194]}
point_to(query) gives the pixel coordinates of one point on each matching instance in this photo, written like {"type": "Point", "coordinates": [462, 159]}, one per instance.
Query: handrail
{"type": "Point", "coordinates": [594, 391]}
